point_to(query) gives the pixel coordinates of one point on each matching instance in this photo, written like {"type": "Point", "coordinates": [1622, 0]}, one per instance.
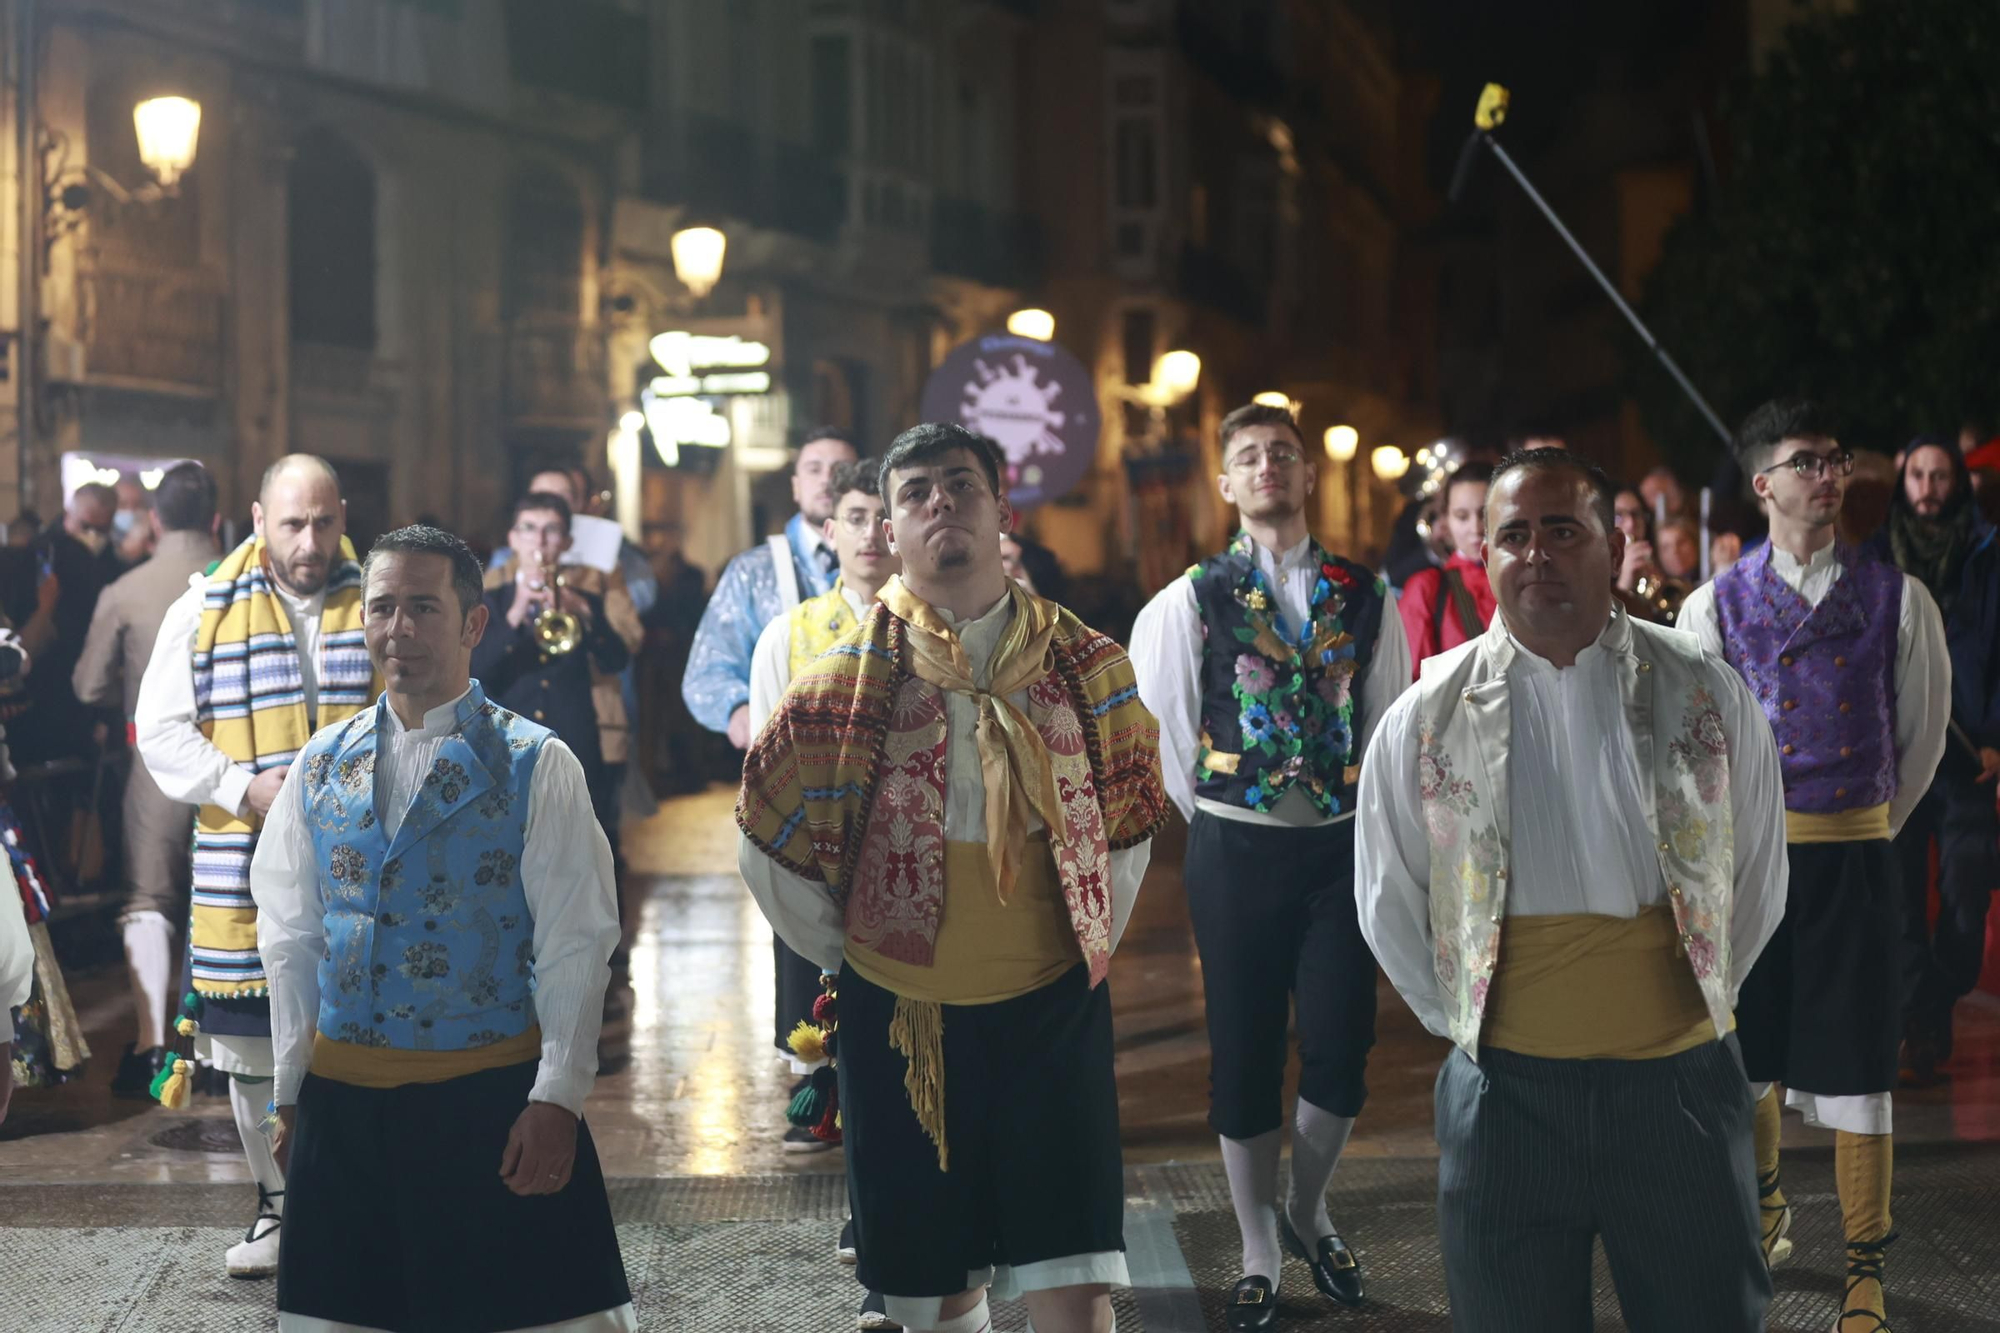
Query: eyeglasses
{"type": "Point", "coordinates": [1284, 455]}
{"type": "Point", "coordinates": [541, 530]}
{"type": "Point", "coordinates": [1811, 467]}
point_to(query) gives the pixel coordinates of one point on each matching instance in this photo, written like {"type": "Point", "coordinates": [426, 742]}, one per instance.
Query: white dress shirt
{"type": "Point", "coordinates": [1167, 645]}
{"type": "Point", "coordinates": [565, 874]}
{"type": "Point", "coordinates": [1577, 840]}
{"type": "Point", "coordinates": [1923, 666]}
{"type": "Point", "coordinates": [186, 765]}
{"type": "Point", "coordinates": [806, 917]}
{"type": "Point", "coordinates": [771, 663]}
{"type": "Point", "coordinates": [17, 952]}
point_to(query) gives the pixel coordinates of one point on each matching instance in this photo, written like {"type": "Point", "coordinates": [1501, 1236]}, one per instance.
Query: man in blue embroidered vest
{"type": "Point", "coordinates": [435, 907]}
{"type": "Point", "coordinates": [1847, 655]}
{"type": "Point", "coordinates": [1570, 852]}
{"type": "Point", "coordinates": [1267, 666]}
{"type": "Point", "coordinates": [261, 650]}
{"type": "Point", "coordinates": [757, 587]}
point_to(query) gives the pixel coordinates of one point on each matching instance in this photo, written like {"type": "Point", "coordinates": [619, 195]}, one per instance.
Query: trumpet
{"type": "Point", "coordinates": [1663, 594]}
{"type": "Point", "coordinates": [557, 632]}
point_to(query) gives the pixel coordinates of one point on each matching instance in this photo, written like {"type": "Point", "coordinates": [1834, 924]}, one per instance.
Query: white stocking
{"type": "Point", "coordinates": [1318, 1135]}
{"type": "Point", "coordinates": [149, 958]}
{"type": "Point", "coordinates": [1252, 1167]}
{"type": "Point", "coordinates": [248, 1100]}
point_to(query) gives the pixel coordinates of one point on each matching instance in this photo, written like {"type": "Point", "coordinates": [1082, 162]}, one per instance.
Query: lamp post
{"type": "Point", "coordinates": [698, 253]}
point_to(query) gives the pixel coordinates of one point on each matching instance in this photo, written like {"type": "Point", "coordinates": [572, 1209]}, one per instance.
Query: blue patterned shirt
{"type": "Point", "coordinates": [746, 599]}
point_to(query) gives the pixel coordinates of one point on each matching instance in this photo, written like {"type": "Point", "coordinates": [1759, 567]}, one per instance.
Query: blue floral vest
{"type": "Point", "coordinates": [1277, 701]}
{"type": "Point", "coordinates": [429, 943]}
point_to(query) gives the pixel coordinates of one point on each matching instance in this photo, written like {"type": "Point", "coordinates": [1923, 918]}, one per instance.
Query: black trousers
{"type": "Point", "coordinates": [1031, 1121]}
{"type": "Point", "coordinates": [1942, 963]}
{"type": "Point", "coordinates": [396, 1218]}
{"type": "Point", "coordinates": [1821, 1009]}
{"type": "Point", "coordinates": [797, 984]}
{"type": "Point", "coordinates": [1277, 928]}
{"type": "Point", "coordinates": [1654, 1157]}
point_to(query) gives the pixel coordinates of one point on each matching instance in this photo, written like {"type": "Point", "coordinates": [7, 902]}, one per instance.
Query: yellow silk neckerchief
{"type": "Point", "coordinates": [1013, 760]}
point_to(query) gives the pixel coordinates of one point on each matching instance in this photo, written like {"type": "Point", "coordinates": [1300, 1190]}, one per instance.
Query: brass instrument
{"type": "Point", "coordinates": [1663, 594]}
{"type": "Point", "coordinates": [557, 632]}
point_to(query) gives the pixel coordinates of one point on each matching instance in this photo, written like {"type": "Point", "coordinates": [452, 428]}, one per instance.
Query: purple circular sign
{"type": "Point", "coordinates": [1032, 398]}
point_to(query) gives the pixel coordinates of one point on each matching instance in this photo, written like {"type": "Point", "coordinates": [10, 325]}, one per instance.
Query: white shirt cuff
{"type": "Point", "coordinates": [230, 791]}
{"type": "Point", "coordinates": [285, 1086]}
{"type": "Point", "coordinates": [565, 1088]}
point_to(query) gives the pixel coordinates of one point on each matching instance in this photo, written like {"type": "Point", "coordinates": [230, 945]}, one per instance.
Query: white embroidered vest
{"type": "Point", "coordinates": [1464, 731]}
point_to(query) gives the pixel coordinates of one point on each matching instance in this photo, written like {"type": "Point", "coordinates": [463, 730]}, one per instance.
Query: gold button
{"type": "Point", "coordinates": [1467, 696]}
{"type": "Point", "coordinates": [545, 684]}
{"type": "Point", "coordinates": [1847, 752]}
{"type": "Point", "coordinates": [1846, 707]}
{"type": "Point", "coordinates": [1645, 666]}
{"type": "Point", "coordinates": [1501, 874]}
{"type": "Point", "coordinates": [1790, 704]}
{"type": "Point", "coordinates": [1840, 791]}
{"type": "Point", "coordinates": [1786, 660]}
{"type": "Point", "coordinates": [1840, 661]}
{"type": "Point", "coordinates": [1674, 889]}
{"type": "Point", "coordinates": [1665, 848]}
{"type": "Point", "coordinates": [538, 715]}
{"type": "Point", "coordinates": [1789, 750]}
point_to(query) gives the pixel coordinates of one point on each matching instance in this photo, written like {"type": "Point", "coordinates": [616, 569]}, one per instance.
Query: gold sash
{"type": "Point", "coordinates": [383, 1067]}
{"type": "Point", "coordinates": [1863, 825]}
{"type": "Point", "coordinates": [1588, 987]}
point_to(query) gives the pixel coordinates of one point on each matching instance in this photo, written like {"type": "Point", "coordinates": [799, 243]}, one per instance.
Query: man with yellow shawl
{"type": "Point", "coordinates": [953, 806]}
{"type": "Point", "coordinates": [262, 650]}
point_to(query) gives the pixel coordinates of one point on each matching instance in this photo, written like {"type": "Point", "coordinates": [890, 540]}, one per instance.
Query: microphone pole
{"type": "Point", "coordinates": [1492, 112]}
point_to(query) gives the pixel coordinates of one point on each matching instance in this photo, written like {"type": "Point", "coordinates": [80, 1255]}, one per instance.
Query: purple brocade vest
{"type": "Point", "coordinates": [1825, 675]}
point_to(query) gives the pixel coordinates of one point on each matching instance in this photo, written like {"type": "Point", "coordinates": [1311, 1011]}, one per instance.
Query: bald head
{"type": "Point", "coordinates": [301, 517]}
{"type": "Point", "coordinates": [309, 466]}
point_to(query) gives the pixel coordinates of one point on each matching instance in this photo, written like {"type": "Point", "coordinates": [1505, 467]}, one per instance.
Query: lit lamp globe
{"type": "Point", "coordinates": [1176, 374]}
{"type": "Point", "coordinates": [1031, 323]}
{"type": "Point", "coordinates": [1389, 462]}
{"type": "Point", "coordinates": [1342, 443]}
{"type": "Point", "coordinates": [168, 128]}
{"type": "Point", "coordinates": [698, 258]}
{"type": "Point", "coordinates": [1272, 398]}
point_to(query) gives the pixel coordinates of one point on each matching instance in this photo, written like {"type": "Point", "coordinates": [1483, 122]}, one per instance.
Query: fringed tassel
{"type": "Point", "coordinates": [917, 1032]}
{"type": "Point", "coordinates": [808, 1108]}
{"type": "Point", "coordinates": [808, 1043]}
{"type": "Point", "coordinates": [173, 1086]}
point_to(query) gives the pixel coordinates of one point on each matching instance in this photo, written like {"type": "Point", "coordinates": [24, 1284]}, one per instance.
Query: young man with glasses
{"type": "Point", "coordinates": [1268, 666]}
{"type": "Point", "coordinates": [1847, 655]}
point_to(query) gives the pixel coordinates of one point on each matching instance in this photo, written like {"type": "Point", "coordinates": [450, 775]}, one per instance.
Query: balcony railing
{"type": "Point", "coordinates": [722, 167]}
{"type": "Point", "coordinates": [553, 371]}
{"type": "Point", "coordinates": [973, 241]}
{"type": "Point", "coordinates": [160, 327]}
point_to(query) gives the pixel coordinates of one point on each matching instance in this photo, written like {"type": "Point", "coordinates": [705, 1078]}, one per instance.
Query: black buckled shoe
{"type": "Point", "coordinates": [1336, 1272]}
{"type": "Point", "coordinates": [134, 1079]}
{"type": "Point", "coordinates": [1253, 1305]}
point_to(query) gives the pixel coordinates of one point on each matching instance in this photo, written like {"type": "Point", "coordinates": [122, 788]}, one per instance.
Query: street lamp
{"type": "Point", "coordinates": [1176, 374]}
{"type": "Point", "coordinates": [1273, 398]}
{"type": "Point", "coordinates": [697, 255]}
{"type": "Point", "coordinates": [168, 128]}
{"type": "Point", "coordinates": [1032, 323]}
{"type": "Point", "coordinates": [1342, 443]}
{"type": "Point", "coordinates": [1389, 462]}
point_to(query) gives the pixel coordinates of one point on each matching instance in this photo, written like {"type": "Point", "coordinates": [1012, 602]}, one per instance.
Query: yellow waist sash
{"type": "Point", "coordinates": [986, 951]}
{"type": "Point", "coordinates": [1590, 987]}
{"type": "Point", "coordinates": [1862, 825]}
{"type": "Point", "coordinates": [381, 1067]}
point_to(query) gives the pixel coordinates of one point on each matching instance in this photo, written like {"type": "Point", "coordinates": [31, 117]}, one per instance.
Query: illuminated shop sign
{"type": "Point", "coordinates": [704, 365]}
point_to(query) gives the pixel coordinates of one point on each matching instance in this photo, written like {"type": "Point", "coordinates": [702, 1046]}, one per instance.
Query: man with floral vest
{"type": "Point", "coordinates": [1847, 656]}
{"type": "Point", "coordinates": [1267, 666]}
{"type": "Point", "coordinates": [436, 911]}
{"type": "Point", "coordinates": [1571, 850]}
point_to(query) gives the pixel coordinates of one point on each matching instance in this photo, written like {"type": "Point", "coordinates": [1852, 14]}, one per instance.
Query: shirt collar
{"type": "Point", "coordinates": [1788, 564]}
{"type": "Point", "coordinates": [855, 602]}
{"type": "Point", "coordinates": [984, 620]}
{"type": "Point", "coordinates": [437, 722]}
{"type": "Point", "coordinates": [1589, 657]}
{"type": "Point", "coordinates": [1292, 557]}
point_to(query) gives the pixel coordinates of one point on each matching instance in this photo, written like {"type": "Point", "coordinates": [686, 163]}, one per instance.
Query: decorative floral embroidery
{"type": "Point", "coordinates": [449, 778]}
{"type": "Point", "coordinates": [494, 868]}
{"type": "Point", "coordinates": [356, 1035]}
{"type": "Point", "coordinates": [346, 865]}
{"type": "Point", "coordinates": [426, 961]}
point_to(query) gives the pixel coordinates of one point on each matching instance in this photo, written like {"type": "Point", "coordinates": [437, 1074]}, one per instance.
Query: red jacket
{"type": "Point", "coordinates": [1433, 628]}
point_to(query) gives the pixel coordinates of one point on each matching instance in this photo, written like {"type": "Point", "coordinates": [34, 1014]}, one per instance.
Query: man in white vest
{"type": "Point", "coordinates": [1571, 848]}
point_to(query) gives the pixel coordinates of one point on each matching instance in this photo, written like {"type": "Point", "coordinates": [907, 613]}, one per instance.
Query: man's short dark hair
{"type": "Point", "coordinates": [1481, 473]}
{"type": "Point", "coordinates": [1793, 417]}
{"type": "Point", "coordinates": [860, 475]}
{"type": "Point", "coordinates": [98, 491]}
{"type": "Point", "coordinates": [931, 441]}
{"type": "Point", "coordinates": [185, 498]}
{"type": "Point", "coordinates": [823, 432]}
{"type": "Point", "coordinates": [1259, 414]}
{"type": "Point", "coordinates": [417, 539]}
{"type": "Point", "coordinates": [1556, 460]}
{"type": "Point", "coordinates": [542, 502]}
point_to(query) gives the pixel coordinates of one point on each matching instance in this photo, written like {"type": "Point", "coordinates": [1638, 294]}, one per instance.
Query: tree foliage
{"type": "Point", "coordinates": [1853, 249]}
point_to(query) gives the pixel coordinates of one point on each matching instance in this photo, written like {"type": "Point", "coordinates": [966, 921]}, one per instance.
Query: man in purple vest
{"type": "Point", "coordinates": [1847, 656]}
